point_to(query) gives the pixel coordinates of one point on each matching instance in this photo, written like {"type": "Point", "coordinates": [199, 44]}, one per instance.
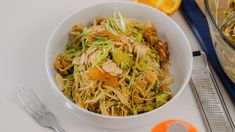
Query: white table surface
{"type": "Point", "coordinates": [25, 26]}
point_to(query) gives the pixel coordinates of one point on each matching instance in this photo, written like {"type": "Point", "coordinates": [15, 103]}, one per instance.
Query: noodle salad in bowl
{"type": "Point", "coordinates": [118, 69]}
{"type": "Point", "coordinates": [115, 66]}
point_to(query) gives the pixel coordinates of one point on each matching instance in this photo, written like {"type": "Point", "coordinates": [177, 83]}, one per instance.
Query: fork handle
{"type": "Point", "coordinates": [58, 128]}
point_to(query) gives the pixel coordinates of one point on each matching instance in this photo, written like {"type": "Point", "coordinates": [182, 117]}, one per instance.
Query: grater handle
{"type": "Point", "coordinates": [196, 53]}
{"type": "Point", "coordinates": [216, 90]}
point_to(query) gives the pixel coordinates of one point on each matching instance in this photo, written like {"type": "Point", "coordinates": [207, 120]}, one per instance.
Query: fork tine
{"type": "Point", "coordinates": [24, 100]}
{"type": "Point", "coordinates": [28, 100]}
{"type": "Point", "coordinates": [39, 105]}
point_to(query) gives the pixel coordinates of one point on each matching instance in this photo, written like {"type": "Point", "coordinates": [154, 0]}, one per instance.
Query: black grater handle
{"type": "Point", "coordinates": [196, 53]}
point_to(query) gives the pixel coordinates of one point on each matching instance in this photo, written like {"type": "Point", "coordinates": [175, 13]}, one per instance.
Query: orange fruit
{"type": "Point", "coordinates": [163, 126]}
{"type": "Point", "coordinates": [167, 6]}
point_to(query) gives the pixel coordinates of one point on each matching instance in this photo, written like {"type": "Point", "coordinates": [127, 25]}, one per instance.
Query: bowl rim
{"type": "Point", "coordinates": [216, 27]}
{"type": "Point", "coordinates": [75, 106]}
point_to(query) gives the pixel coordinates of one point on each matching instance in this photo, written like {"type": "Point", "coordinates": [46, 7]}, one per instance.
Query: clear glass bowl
{"type": "Point", "coordinates": [224, 48]}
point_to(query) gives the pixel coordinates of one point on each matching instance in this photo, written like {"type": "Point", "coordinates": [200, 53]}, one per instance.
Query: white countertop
{"type": "Point", "coordinates": [25, 27]}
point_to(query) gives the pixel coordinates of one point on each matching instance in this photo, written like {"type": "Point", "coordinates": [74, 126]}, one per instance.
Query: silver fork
{"type": "Point", "coordinates": [37, 110]}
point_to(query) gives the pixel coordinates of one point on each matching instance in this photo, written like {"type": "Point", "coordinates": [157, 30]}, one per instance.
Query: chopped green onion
{"type": "Point", "coordinates": [83, 40]}
{"type": "Point", "coordinates": [119, 21]}
{"type": "Point", "coordinates": [123, 26]}
{"type": "Point", "coordinates": [162, 99]}
{"type": "Point", "coordinates": [106, 42]}
{"type": "Point", "coordinates": [110, 27]}
{"type": "Point", "coordinates": [135, 112]}
{"type": "Point", "coordinates": [139, 37]}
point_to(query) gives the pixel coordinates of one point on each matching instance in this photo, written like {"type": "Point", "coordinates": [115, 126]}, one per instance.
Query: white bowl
{"type": "Point", "coordinates": [168, 30]}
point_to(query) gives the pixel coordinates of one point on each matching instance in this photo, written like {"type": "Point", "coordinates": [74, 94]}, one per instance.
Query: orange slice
{"type": "Point", "coordinates": [169, 7]}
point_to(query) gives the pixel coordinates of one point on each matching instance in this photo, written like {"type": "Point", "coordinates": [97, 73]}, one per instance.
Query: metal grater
{"type": "Point", "coordinates": [206, 91]}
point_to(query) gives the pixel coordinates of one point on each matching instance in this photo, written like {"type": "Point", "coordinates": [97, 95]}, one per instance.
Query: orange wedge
{"type": "Point", "coordinates": [169, 7]}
